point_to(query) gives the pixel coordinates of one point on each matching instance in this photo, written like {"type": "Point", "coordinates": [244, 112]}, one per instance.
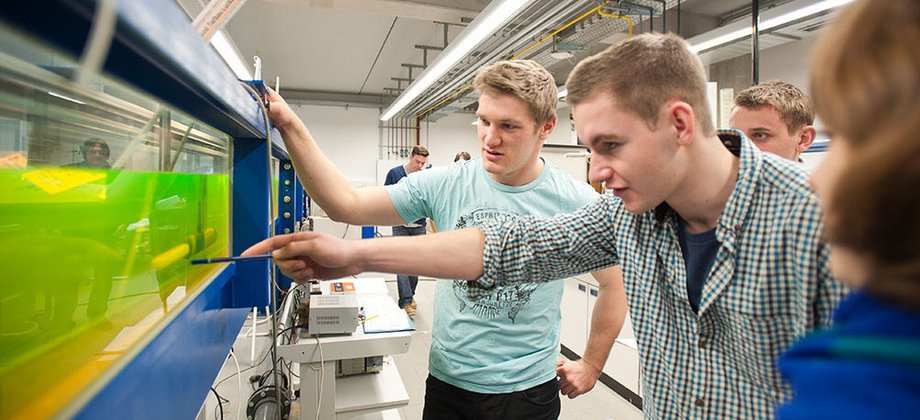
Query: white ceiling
{"type": "Point", "coordinates": [316, 47]}
{"type": "Point", "coordinates": [352, 48]}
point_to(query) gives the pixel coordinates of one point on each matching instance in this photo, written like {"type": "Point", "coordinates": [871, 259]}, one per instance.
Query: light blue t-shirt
{"type": "Point", "coordinates": [508, 340]}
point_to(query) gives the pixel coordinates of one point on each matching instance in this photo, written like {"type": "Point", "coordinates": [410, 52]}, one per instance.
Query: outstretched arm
{"type": "Point", "coordinates": [308, 255]}
{"type": "Point", "coordinates": [322, 180]}
{"type": "Point", "coordinates": [522, 249]}
{"type": "Point", "coordinates": [579, 377]}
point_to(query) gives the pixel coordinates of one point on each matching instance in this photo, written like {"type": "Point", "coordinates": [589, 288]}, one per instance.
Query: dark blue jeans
{"type": "Point", "coordinates": [406, 284]}
{"type": "Point", "coordinates": [444, 401]}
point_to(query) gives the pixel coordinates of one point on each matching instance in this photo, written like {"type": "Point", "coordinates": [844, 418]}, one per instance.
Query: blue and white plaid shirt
{"type": "Point", "coordinates": [769, 285]}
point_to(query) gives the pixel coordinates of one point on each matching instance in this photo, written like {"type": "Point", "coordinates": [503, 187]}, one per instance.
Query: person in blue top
{"type": "Point", "coordinates": [865, 79]}
{"type": "Point", "coordinates": [406, 284]}
{"type": "Point", "coordinates": [492, 357]}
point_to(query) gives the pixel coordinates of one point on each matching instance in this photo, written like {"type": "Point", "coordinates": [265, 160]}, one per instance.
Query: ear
{"type": "Point", "coordinates": [546, 128]}
{"type": "Point", "coordinates": [806, 138]}
{"type": "Point", "coordinates": [681, 118]}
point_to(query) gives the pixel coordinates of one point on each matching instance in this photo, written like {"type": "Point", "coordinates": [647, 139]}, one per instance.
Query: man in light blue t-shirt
{"type": "Point", "coordinates": [493, 357]}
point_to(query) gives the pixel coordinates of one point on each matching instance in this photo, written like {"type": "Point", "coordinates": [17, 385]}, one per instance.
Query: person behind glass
{"type": "Point", "coordinates": [777, 116]}
{"type": "Point", "coordinates": [95, 155]}
{"type": "Point", "coordinates": [407, 284]}
{"type": "Point", "coordinates": [865, 81]}
{"type": "Point", "coordinates": [462, 155]}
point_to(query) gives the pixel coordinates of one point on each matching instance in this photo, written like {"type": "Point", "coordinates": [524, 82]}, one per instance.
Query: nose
{"type": "Point", "coordinates": [490, 136]}
{"type": "Point", "coordinates": [599, 170]}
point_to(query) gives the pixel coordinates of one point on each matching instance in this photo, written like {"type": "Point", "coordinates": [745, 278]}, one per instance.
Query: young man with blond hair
{"type": "Point", "coordinates": [494, 356]}
{"type": "Point", "coordinates": [777, 116]}
{"type": "Point", "coordinates": [724, 267]}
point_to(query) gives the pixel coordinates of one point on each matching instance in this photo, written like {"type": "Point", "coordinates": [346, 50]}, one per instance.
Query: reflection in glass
{"type": "Point", "coordinates": [105, 196]}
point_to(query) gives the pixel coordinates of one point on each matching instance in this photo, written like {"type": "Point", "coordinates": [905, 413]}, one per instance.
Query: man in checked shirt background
{"type": "Point", "coordinates": [720, 244]}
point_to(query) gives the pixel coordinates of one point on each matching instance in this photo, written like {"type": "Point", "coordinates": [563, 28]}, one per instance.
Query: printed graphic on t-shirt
{"type": "Point", "coordinates": [502, 300]}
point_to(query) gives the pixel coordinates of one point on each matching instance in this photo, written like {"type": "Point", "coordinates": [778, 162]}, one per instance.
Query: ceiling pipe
{"type": "Point", "coordinates": [466, 87]}
{"type": "Point", "coordinates": [450, 87]}
{"type": "Point", "coordinates": [493, 54]}
{"type": "Point", "coordinates": [755, 42]}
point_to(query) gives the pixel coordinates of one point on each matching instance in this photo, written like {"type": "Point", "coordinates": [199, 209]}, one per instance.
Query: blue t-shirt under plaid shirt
{"type": "Point", "coordinates": [769, 285]}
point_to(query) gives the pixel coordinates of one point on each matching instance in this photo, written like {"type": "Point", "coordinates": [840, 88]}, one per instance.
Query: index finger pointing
{"type": "Point", "coordinates": [270, 244]}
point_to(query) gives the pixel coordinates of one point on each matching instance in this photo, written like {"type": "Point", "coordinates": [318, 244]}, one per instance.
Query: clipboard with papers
{"type": "Point", "coordinates": [381, 315]}
{"type": "Point", "coordinates": [391, 321]}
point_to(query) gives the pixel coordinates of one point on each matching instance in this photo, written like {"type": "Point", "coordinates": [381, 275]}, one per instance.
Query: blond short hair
{"type": "Point", "coordinates": [523, 79]}
{"type": "Point", "coordinates": [793, 105]}
{"type": "Point", "coordinates": [642, 74]}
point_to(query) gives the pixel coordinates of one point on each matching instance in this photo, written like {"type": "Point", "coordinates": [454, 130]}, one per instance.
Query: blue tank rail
{"type": "Point", "coordinates": [155, 49]}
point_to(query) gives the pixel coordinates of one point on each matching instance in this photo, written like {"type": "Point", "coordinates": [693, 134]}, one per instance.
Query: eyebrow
{"type": "Point", "coordinates": [501, 120]}
{"type": "Point", "coordinates": [599, 138]}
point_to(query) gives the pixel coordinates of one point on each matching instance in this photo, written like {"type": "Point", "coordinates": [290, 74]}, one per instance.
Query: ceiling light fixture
{"type": "Point", "coordinates": [220, 43]}
{"type": "Point", "coordinates": [772, 18]}
{"type": "Point", "coordinates": [494, 16]}
{"type": "Point", "coordinates": [562, 92]}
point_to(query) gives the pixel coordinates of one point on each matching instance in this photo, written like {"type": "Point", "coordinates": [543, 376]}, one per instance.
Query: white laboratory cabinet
{"type": "Point", "coordinates": [578, 300]}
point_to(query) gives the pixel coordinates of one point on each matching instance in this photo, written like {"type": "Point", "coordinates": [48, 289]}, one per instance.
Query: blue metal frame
{"type": "Point", "coordinates": [251, 195]}
{"type": "Point", "coordinates": [172, 375]}
{"type": "Point", "coordinates": [290, 209]}
{"type": "Point", "coordinates": [156, 50]}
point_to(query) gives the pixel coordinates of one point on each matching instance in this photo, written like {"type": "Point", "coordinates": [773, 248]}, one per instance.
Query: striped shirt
{"type": "Point", "coordinates": [769, 285]}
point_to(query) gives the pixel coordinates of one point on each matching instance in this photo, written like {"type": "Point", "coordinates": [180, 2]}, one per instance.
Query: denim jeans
{"type": "Point", "coordinates": [406, 284]}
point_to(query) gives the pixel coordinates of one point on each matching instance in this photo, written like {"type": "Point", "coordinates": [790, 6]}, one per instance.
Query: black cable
{"type": "Point", "coordinates": [286, 329]}
{"type": "Point", "coordinates": [265, 356]}
{"type": "Point", "coordinates": [271, 229]}
{"type": "Point", "coordinates": [220, 405]}
{"type": "Point", "coordinates": [371, 70]}
{"type": "Point", "coordinates": [291, 370]}
{"type": "Point", "coordinates": [678, 18]}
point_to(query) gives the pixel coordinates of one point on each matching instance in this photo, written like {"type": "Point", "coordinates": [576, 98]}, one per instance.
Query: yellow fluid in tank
{"type": "Point", "coordinates": [91, 261]}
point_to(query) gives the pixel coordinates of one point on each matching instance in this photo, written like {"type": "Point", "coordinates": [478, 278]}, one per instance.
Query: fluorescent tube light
{"type": "Point", "coordinates": [803, 12]}
{"type": "Point", "coordinates": [769, 23]}
{"type": "Point", "coordinates": [492, 17]}
{"type": "Point", "coordinates": [230, 56]}
{"type": "Point", "coordinates": [720, 40]}
{"type": "Point", "coordinates": [66, 98]}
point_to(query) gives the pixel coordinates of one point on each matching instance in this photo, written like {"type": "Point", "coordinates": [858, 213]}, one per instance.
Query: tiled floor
{"type": "Point", "coordinates": [600, 403]}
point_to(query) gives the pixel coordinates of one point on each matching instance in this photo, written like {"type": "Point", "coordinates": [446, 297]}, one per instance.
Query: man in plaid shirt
{"type": "Point", "coordinates": [720, 244]}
